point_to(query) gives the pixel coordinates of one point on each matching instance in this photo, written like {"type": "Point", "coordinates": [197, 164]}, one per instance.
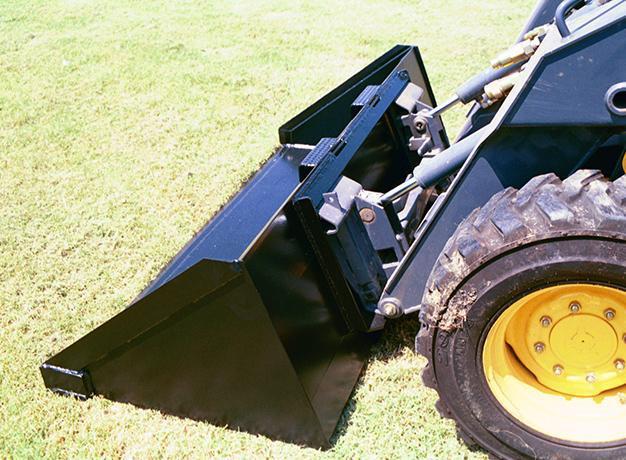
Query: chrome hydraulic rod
{"type": "Point", "coordinates": [441, 108]}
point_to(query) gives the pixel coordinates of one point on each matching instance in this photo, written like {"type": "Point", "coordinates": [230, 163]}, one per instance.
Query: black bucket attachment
{"type": "Point", "coordinates": [258, 323]}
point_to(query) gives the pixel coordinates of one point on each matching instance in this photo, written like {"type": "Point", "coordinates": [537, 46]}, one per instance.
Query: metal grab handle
{"type": "Point", "coordinates": [559, 16]}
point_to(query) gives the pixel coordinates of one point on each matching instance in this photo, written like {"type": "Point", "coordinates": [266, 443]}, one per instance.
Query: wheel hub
{"type": "Point", "coordinates": [578, 349]}
{"type": "Point", "coordinates": [583, 341]}
{"type": "Point", "coordinates": [555, 359]}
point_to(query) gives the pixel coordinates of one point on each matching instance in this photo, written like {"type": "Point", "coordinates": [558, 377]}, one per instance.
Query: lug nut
{"type": "Point", "coordinates": [619, 364]}
{"type": "Point", "coordinates": [539, 347]}
{"type": "Point", "coordinates": [558, 370]}
{"type": "Point", "coordinates": [574, 307]}
{"type": "Point", "coordinates": [591, 378]}
{"type": "Point", "coordinates": [546, 321]}
{"type": "Point", "coordinates": [609, 314]}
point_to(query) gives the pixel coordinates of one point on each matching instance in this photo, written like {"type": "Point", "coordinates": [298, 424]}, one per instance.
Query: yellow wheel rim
{"type": "Point", "coordinates": [555, 360]}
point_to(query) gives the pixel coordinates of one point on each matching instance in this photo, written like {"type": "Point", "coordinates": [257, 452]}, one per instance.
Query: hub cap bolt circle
{"type": "Point", "coordinates": [546, 321]}
{"type": "Point", "coordinates": [558, 370]}
{"type": "Point", "coordinates": [609, 314]}
{"type": "Point", "coordinates": [574, 307]}
{"type": "Point", "coordinates": [539, 347]}
{"type": "Point", "coordinates": [590, 378]}
{"type": "Point", "coordinates": [619, 364]}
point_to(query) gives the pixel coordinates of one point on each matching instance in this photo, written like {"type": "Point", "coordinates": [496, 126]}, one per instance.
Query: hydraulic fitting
{"type": "Point", "coordinates": [516, 53]}
{"type": "Point", "coordinates": [537, 32]}
{"type": "Point", "coordinates": [497, 89]}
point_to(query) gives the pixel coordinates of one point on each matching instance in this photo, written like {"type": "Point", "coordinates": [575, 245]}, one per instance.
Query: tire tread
{"type": "Point", "coordinates": [584, 203]}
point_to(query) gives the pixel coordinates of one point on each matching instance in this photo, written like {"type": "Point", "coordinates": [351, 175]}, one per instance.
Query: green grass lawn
{"type": "Point", "coordinates": [124, 125]}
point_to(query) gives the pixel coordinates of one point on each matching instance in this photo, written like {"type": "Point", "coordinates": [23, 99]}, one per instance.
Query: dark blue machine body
{"type": "Point", "coordinates": [539, 128]}
{"type": "Point", "coordinates": [263, 322]}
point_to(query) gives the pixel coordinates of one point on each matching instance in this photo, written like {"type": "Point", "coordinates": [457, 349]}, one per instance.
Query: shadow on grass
{"type": "Point", "coordinates": [398, 335]}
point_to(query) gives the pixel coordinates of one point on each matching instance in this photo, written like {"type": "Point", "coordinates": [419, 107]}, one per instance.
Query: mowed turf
{"type": "Point", "coordinates": [124, 125]}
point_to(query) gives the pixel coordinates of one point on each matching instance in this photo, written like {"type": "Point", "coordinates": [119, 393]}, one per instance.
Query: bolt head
{"type": "Point", "coordinates": [574, 307]}
{"type": "Point", "coordinates": [546, 321]}
{"type": "Point", "coordinates": [609, 314]}
{"type": "Point", "coordinates": [420, 125]}
{"type": "Point", "coordinates": [539, 347]}
{"type": "Point", "coordinates": [558, 370]}
{"type": "Point", "coordinates": [367, 215]}
{"type": "Point", "coordinates": [619, 364]}
{"type": "Point", "coordinates": [390, 309]}
{"type": "Point", "coordinates": [590, 378]}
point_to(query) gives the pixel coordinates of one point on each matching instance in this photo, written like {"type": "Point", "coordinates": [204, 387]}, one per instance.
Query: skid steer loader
{"type": "Point", "coordinates": [510, 244]}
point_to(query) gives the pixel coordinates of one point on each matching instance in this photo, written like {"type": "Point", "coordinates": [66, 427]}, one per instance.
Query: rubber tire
{"type": "Point", "coordinates": [548, 232]}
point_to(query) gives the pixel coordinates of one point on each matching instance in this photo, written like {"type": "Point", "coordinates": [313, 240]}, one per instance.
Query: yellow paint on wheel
{"type": "Point", "coordinates": [584, 341]}
{"type": "Point", "coordinates": [555, 361]}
